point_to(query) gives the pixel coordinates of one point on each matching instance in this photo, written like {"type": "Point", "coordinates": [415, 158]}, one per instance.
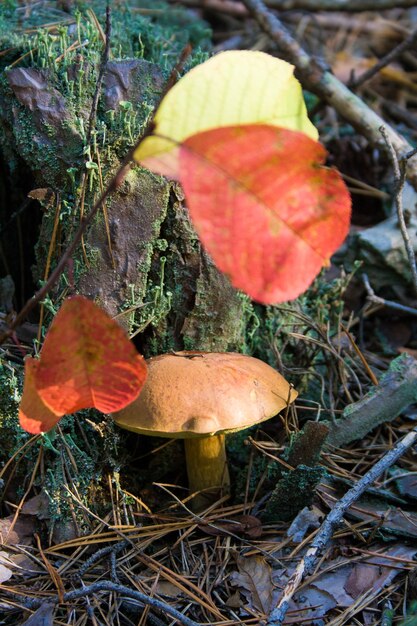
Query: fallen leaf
{"type": "Point", "coordinates": [166, 588]}
{"type": "Point", "coordinates": [6, 567]}
{"type": "Point", "coordinates": [14, 532]}
{"type": "Point", "coordinates": [86, 361]}
{"type": "Point", "coordinates": [348, 582]}
{"type": "Point", "coordinates": [234, 601]}
{"type": "Point", "coordinates": [330, 588]}
{"type": "Point", "coordinates": [362, 577]}
{"type": "Point", "coordinates": [254, 579]}
{"type": "Point", "coordinates": [265, 208]}
{"type": "Point", "coordinates": [44, 616]}
{"type": "Point", "coordinates": [233, 87]}
{"type": "Point", "coordinates": [307, 519]}
{"type": "Point", "coordinates": [243, 525]}
{"type": "Point", "coordinates": [38, 506]}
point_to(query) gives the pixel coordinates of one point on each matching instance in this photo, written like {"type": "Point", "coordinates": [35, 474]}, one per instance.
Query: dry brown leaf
{"type": "Point", "coordinates": [44, 616]}
{"type": "Point", "coordinates": [254, 579]}
{"type": "Point", "coordinates": [21, 532]}
{"type": "Point", "coordinates": [5, 567]}
{"type": "Point", "coordinates": [362, 577]}
{"type": "Point", "coordinates": [38, 506]}
{"type": "Point", "coordinates": [234, 601]}
{"type": "Point", "coordinates": [248, 525]}
{"type": "Point", "coordinates": [165, 588]}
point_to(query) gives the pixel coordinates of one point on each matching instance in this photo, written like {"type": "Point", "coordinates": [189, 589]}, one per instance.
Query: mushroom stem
{"type": "Point", "coordinates": [206, 468]}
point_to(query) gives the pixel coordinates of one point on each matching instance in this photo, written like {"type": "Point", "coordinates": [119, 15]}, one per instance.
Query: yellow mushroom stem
{"type": "Point", "coordinates": [207, 468]}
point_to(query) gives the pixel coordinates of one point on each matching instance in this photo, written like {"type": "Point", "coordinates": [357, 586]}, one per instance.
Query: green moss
{"type": "Point", "coordinates": [294, 491]}
{"type": "Point", "coordinates": [12, 436]}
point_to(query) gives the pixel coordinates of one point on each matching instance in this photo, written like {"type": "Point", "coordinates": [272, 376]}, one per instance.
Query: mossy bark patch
{"type": "Point", "coordinates": [118, 275]}
{"type": "Point", "coordinates": [41, 123]}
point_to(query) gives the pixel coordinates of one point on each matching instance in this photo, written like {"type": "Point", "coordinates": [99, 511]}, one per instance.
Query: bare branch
{"type": "Point", "coordinates": [107, 585]}
{"type": "Point", "coordinates": [396, 391]}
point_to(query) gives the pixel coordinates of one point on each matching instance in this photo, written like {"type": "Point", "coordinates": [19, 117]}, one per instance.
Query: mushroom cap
{"type": "Point", "coordinates": [194, 394]}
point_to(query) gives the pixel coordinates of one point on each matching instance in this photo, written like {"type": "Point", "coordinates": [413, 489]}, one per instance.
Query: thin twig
{"type": "Point", "coordinates": [107, 585]}
{"type": "Point", "coordinates": [99, 554]}
{"type": "Point", "coordinates": [332, 521]}
{"type": "Point", "coordinates": [400, 174]}
{"type": "Point", "coordinates": [115, 182]}
{"type": "Point", "coordinates": [372, 297]}
{"type": "Point", "coordinates": [386, 60]}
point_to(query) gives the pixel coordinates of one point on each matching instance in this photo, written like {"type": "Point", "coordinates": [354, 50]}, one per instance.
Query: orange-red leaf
{"type": "Point", "coordinates": [87, 361]}
{"type": "Point", "coordinates": [34, 415]}
{"type": "Point", "coordinates": [266, 209]}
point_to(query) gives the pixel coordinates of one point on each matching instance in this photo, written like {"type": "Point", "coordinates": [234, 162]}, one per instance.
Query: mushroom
{"type": "Point", "coordinates": [199, 397]}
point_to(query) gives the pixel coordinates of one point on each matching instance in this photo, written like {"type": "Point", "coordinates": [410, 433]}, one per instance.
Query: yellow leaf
{"type": "Point", "coordinates": [232, 88]}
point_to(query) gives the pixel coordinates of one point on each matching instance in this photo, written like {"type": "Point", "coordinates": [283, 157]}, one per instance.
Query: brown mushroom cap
{"type": "Point", "coordinates": [192, 394]}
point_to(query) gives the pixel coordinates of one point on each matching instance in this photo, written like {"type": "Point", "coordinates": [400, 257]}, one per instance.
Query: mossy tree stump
{"type": "Point", "coordinates": [141, 255]}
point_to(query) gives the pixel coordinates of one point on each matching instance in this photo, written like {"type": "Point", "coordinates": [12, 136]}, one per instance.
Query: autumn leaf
{"type": "Point", "coordinates": [254, 579]}
{"type": "Point", "coordinates": [87, 361]}
{"type": "Point", "coordinates": [266, 209]}
{"type": "Point", "coordinates": [34, 416]}
{"type": "Point", "coordinates": [231, 88]}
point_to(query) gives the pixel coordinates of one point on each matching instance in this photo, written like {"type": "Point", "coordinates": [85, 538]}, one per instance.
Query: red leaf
{"type": "Point", "coordinates": [87, 361]}
{"type": "Point", "coordinates": [34, 415]}
{"type": "Point", "coordinates": [266, 209]}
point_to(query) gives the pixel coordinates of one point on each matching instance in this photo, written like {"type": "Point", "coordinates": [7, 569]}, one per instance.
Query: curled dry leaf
{"type": "Point", "coordinates": [248, 525]}
{"type": "Point", "coordinates": [6, 567]}
{"type": "Point", "coordinates": [254, 580]}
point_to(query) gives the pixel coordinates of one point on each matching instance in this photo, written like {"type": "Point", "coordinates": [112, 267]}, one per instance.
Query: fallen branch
{"type": "Point", "coordinates": [332, 521]}
{"type": "Point", "coordinates": [107, 585]}
{"type": "Point", "coordinates": [397, 389]}
{"type": "Point", "coordinates": [318, 80]}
